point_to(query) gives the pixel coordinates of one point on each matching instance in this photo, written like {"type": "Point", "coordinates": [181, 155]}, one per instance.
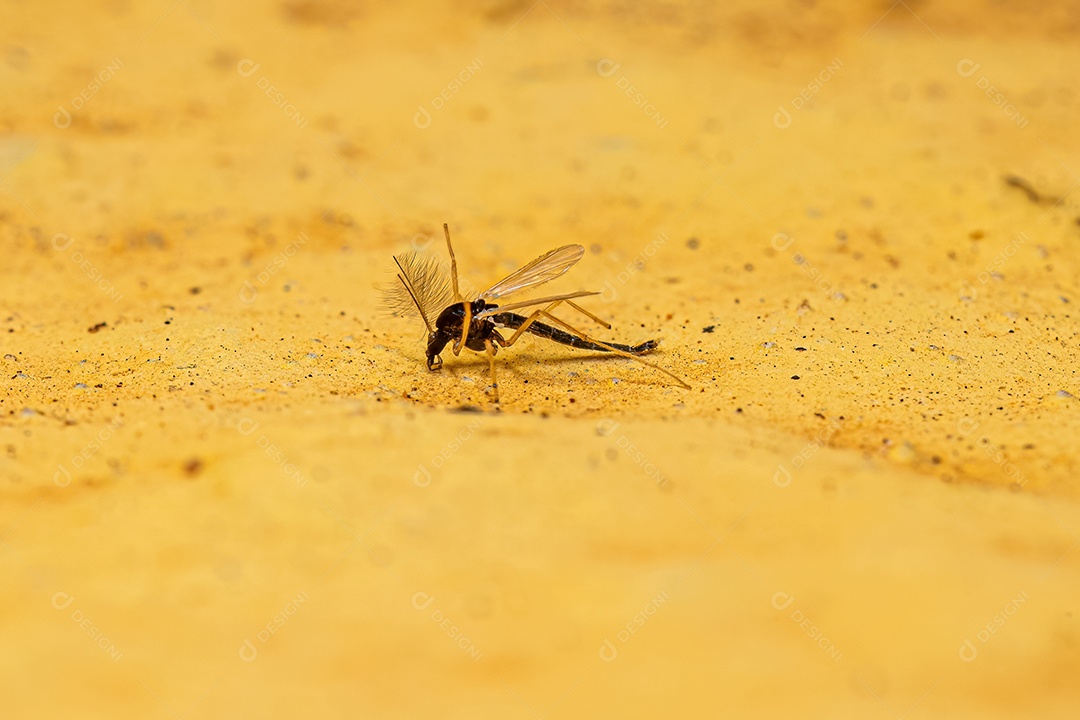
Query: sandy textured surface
{"type": "Point", "coordinates": [231, 489]}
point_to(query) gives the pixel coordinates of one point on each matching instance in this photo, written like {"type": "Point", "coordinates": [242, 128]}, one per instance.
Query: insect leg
{"type": "Point", "coordinates": [588, 314]}
{"type": "Point", "coordinates": [529, 321]}
{"type": "Point", "coordinates": [491, 365]}
{"type": "Point", "coordinates": [574, 331]}
{"type": "Point", "coordinates": [458, 344]}
{"type": "Point", "coordinates": [550, 332]}
{"type": "Point", "coordinates": [453, 266]}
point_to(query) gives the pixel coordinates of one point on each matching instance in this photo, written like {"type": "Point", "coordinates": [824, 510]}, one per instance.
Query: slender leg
{"type": "Point", "coordinates": [574, 331]}
{"type": "Point", "coordinates": [536, 316]}
{"type": "Point", "coordinates": [457, 293]}
{"type": "Point", "coordinates": [453, 266]}
{"type": "Point", "coordinates": [459, 344]}
{"type": "Point", "coordinates": [588, 314]}
{"type": "Point", "coordinates": [491, 365]}
{"type": "Point", "coordinates": [529, 321]}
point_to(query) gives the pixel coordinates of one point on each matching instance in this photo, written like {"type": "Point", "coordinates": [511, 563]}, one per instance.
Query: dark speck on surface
{"type": "Point", "coordinates": [794, 377]}
{"type": "Point", "coordinates": [798, 349]}
{"type": "Point", "coordinates": [693, 243]}
{"type": "Point", "coordinates": [706, 329]}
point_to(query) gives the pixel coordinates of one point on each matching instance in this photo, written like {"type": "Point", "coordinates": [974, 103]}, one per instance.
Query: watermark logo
{"type": "Point", "coordinates": [421, 601]}
{"type": "Point", "coordinates": [249, 293]}
{"type": "Point", "coordinates": [62, 601]}
{"type": "Point", "coordinates": [782, 601]}
{"type": "Point", "coordinates": [422, 477]}
{"type": "Point", "coordinates": [249, 652]}
{"type": "Point", "coordinates": [782, 477]}
{"type": "Point", "coordinates": [247, 427]}
{"type": "Point", "coordinates": [608, 651]}
{"type": "Point", "coordinates": [62, 117]}
{"type": "Point", "coordinates": [967, 68]}
{"type": "Point", "coordinates": [968, 426]}
{"type": "Point", "coordinates": [969, 292]}
{"type": "Point", "coordinates": [62, 476]}
{"type": "Point", "coordinates": [610, 291]}
{"type": "Point", "coordinates": [247, 67]}
{"type": "Point", "coordinates": [422, 117]}
{"type": "Point", "coordinates": [782, 118]}
{"type": "Point", "coordinates": [781, 242]}
{"type": "Point", "coordinates": [607, 68]}
{"type": "Point", "coordinates": [606, 428]}
{"type": "Point", "coordinates": [968, 650]}
{"type": "Point", "coordinates": [62, 244]}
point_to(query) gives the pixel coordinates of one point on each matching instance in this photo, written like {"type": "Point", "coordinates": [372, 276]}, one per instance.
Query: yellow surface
{"type": "Point", "coordinates": [231, 489]}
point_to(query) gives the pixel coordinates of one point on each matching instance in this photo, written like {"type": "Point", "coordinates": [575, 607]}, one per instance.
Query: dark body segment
{"type": "Point", "coordinates": [513, 320]}
{"type": "Point", "coordinates": [448, 327]}
{"type": "Point", "coordinates": [451, 321]}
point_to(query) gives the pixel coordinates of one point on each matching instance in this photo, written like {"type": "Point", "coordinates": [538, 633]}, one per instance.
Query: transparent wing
{"type": "Point", "coordinates": [428, 290]}
{"type": "Point", "coordinates": [538, 301]}
{"type": "Point", "coordinates": [541, 270]}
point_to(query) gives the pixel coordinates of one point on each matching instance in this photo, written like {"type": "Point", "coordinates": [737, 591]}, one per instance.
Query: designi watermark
{"type": "Point", "coordinates": [249, 652]}
{"type": "Point", "coordinates": [62, 243]}
{"type": "Point", "coordinates": [782, 477]}
{"type": "Point", "coordinates": [249, 293]}
{"type": "Point", "coordinates": [246, 68]}
{"type": "Point", "coordinates": [782, 118]}
{"type": "Point", "coordinates": [969, 292]}
{"type": "Point", "coordinates": [968, 650]}
{"type": "Point", "coordinates": [62, 601]}
{"type": "Point", "coordinates": [782, 601]}
{"type": "Point", "coordinates": [968, 426]}
{"type": "Point", "coordinates": [62, 116]}
{"type": "Point", "coordinates": [607, 68]}
{"type": "Point", "coordinates": [782, 241]}
{"type": "Point", "coordinates": [422, 117]}
{"type": "Point", "coordinates": [608, 651]}
{"type": "Point", "coordinates": [422, 601]}
{"type": "Point", "coordinates": [610, 291]}
{"type": "Point", "coordinates": [606, 428]}
{"type": "Point", "coordinates": [247, 427]}
{"type": "Point", "coordinates": [62, 476]}
{"type": "Point", "coordinates": [422, 477]}
{"type": "Point", "coordinates": [967, 68]}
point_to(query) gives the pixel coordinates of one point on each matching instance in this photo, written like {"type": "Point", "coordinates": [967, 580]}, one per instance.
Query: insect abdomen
{"type": "Point", "coordinates": [513, 320]}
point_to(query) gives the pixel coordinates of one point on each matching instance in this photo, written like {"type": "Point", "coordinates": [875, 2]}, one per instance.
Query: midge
{"type": "Point", "coordinates": [474, 324]}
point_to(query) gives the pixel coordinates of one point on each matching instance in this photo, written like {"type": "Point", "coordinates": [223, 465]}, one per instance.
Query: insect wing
{"type": "Point", "coordinates": [537, 301]}
{"type": "Point", "coordinates": [541, 270]}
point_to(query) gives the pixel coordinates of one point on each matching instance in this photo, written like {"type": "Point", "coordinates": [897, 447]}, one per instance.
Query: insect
{"type": "Point", "coordinates": [424, 288]}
